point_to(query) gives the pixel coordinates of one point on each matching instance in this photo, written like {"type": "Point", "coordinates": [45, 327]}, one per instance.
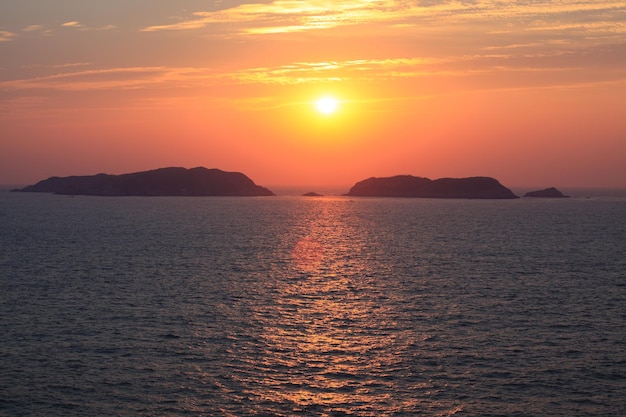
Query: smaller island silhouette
{"type": "Point", "coordinates": [547, 193]}
{"type": "Point", "coordinates": [173, 181]}
{"type": "Point", "coordinates": [410, 186]}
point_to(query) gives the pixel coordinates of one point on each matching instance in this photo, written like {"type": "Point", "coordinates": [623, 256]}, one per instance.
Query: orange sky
{"type": "Point", "coordinates": [531, 93]}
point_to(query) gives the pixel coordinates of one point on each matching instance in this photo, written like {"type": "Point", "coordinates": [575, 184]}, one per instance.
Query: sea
{"type": "Point", "coordinates": [312, 306]}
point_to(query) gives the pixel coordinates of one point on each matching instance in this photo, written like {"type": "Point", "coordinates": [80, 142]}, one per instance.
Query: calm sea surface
{"type": "Point", "coordinates": [292, 306]}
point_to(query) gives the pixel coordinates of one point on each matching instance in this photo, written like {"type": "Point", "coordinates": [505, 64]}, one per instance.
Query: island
{"type": "Point", "coordinates": [172, 181]}
{"type": "Point", "coordinates": [547, 193]}
{"type": "Point", "coordinates": [411, 186]}
{"type": "Point", "coordinates": [312, 194]}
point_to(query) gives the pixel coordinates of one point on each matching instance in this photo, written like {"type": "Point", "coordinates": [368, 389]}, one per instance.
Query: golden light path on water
{"type": "Point", "coordinates": [329, 342]}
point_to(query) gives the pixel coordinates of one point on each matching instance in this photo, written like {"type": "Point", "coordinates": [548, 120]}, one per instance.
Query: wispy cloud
{"type": "Point", "coordinates": [32, 28]}
{"type": "Point", "coordinates": [72, 24]}
{"type": "Point", "coordinates": [293, 16]}
{"type": "Point", "coordinates": [282, 16]}
{"type": "Point", "coordinates": [278, 16]}
{"type": "Point", "coordinates": [80, 26]}
{"type": "Point", "coordinates": [113, 78]}
{"type": "Point", "coordinates": [133, 78]}
{"type": "Point", "coordinates": [38, 30]}
{"type": "Point", "coordinates": [606, 61]}
{"type": "Point", "coordinates": [375, 70]}
{"type": "Point", "coordinates": [313, 72]}
{"type": "Point", "coordinates": [6, 36]}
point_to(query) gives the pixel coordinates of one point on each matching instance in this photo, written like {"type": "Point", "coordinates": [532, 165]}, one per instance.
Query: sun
{"type": "Point", "coordinates": [327, 105]}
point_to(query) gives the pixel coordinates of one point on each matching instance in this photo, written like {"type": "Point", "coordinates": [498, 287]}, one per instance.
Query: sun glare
{"type": "Point", "coordinates": [327, 105]}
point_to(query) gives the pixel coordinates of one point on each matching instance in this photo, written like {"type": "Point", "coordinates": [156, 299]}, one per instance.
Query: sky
{"type": "Point", "coordinates": [532, 93]}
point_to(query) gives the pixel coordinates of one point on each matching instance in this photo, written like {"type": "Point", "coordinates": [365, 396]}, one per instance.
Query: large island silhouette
{"type": "Point", "coordinates": [410, 186]}
{"type": "Point", "coordinates": [171, 181]}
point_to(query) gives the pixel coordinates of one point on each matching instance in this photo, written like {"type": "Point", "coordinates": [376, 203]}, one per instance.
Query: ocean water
{"type": "Point", "coordinates": [293, 306]}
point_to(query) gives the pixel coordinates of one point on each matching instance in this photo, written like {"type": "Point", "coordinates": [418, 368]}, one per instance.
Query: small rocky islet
{"type": "Point", "coordinates": [546, 193]}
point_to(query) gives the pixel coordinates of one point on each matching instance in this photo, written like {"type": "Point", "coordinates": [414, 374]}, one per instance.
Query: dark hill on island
{"type": "Point", "coordinates": [410, 186]}
{"type": "Point", "coordinates": [159, 182]}
{"type": "Point", "coordinates": [547, 193]}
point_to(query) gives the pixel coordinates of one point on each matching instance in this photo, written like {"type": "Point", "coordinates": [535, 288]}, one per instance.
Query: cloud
{"type": "Point", "coordinates": [589, 65]}
{"type": "Point", "coordinates": [32, 28]}
{"type": "Point", "coordinates": [313, 72]}
{"type": "Point", "coordinates": [6, 36]}
{"type": "Point", "coordinates": [71, 64]}
{"type": "Point", "coordinates": [37, 30]}
{"type": "Point", "coordinates": [602, 63]}
{"type": "Point", "coordinates": [296, 15]}
{"type": "Point", "coordinates": [77, 25]}
{"type": "Point", "coordinates": [125, 78]}
{"type": "Point", "coordinates": [282, 16]}
{"type": "Point", "coordinates": [72, 24]}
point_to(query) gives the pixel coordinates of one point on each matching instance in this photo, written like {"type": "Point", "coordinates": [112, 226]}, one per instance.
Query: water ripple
{"type": "Point", "coordinates": [311, 307]}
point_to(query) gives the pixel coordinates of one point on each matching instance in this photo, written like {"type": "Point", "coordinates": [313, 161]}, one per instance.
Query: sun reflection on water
{"type": "Point", "coordinates": [328, 340]}
{"type": "Point", "coordinates": [308, 254]}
